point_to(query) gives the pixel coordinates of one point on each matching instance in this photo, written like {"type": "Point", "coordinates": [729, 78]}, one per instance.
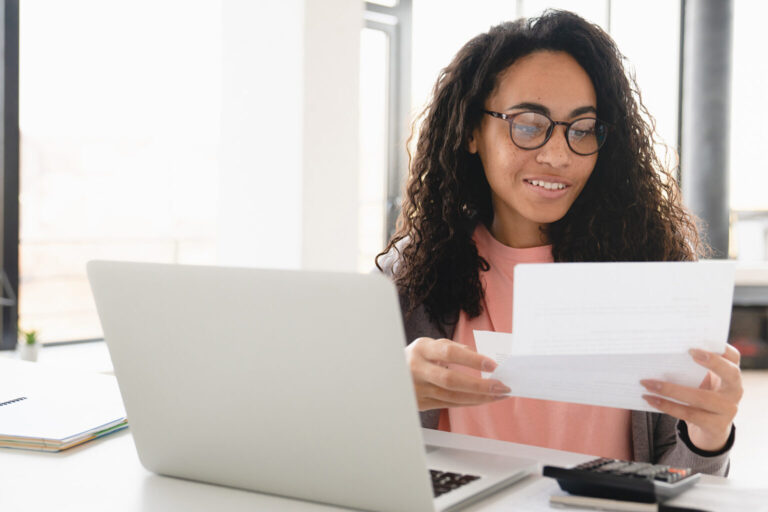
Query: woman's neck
{"type": "Point", "coordinates": [518, 233]}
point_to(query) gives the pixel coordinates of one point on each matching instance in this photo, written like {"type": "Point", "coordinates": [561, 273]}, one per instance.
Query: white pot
{"type": "Point", "coordinates": [28, 352]}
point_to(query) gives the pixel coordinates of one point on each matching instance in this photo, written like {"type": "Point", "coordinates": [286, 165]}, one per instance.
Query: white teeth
{"type": "Point", "coordinates": [547, 185]}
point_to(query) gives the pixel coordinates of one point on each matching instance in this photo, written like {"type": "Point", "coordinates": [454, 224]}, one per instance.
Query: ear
{"type": "Point", "coordinates": [472, 144]}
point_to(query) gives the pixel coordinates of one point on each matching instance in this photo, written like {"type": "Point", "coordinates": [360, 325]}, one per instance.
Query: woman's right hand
{"type": "Point", "coordinates": [438, 384]}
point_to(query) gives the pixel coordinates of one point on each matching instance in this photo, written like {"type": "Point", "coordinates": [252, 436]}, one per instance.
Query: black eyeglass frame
{"type": "Point", "coordinates": [509, 118]}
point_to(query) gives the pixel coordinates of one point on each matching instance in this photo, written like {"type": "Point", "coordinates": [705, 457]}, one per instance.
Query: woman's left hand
{"type": "Point", "coordinates": [712, 406]}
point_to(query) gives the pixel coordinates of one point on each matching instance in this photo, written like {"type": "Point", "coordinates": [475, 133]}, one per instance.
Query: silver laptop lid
{"type": "Point", "coordinates": [285, 382]}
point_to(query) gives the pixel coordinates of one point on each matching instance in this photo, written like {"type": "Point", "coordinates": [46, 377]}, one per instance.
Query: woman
{"type": "Point", "coordinates": [533, 149]}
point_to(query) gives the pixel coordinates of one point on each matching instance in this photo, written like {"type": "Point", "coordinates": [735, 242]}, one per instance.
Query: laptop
{"type": "Point", "coordinates": [284, 382]}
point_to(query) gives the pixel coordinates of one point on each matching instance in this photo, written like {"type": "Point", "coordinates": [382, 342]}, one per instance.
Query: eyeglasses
{"type": "Point", "coordinates": [531, 130]}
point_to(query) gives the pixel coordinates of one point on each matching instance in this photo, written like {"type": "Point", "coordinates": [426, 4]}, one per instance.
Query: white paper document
{"type": "Point", "coordinates": [589, 332]}
{"type": "Point", "coordinates": [49, 408]}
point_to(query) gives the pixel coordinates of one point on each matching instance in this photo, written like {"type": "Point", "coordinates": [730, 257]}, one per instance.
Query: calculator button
{"type": "Point", "coordinates": [612, 466]}
{"type": "Point", "coordinates": [629, 468]}
{"type": "Point", "coordinates": [594, 464]}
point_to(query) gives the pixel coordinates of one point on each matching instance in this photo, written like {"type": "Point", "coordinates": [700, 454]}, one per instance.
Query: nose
{"type": "Point", "coordinates": [555, 152]}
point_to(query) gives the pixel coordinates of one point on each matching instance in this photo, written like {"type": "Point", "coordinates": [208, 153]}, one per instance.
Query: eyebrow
{"type": "Point", "coordinates": [536, 107]}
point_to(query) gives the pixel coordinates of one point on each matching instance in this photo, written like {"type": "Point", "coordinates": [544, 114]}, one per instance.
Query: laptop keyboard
{"type": "Point", "coordinates": [445, 481]}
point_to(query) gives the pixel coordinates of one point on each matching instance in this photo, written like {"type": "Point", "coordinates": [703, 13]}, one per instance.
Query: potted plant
{"type": "Point", "coordinates": [28, 344]}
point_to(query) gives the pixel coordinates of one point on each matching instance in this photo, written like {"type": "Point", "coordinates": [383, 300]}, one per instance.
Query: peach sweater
{"type": "Point", "coordinates": [593, 430]}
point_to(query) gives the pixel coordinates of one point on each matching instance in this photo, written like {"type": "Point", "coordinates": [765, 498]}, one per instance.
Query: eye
{"type": "Point", "coordinates": [527, 130]}
{"type": "Point", "coordinates": [582, 129]}
{"type": "Point", "coordinates": [581, 134]}
{"type": "Point", "coordinates": [529, 125]}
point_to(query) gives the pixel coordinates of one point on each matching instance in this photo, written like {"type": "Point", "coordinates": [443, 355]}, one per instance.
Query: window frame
{"type": "Point", "coordinates": [396, 23]}
{"type": "Point", "coordinates": [10, 162]}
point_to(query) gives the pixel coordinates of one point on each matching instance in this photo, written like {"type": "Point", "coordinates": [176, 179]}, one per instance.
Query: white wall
{"type": "Point", "coordinates": [331, 139]}
{"type": "Point", "coordinates": [655, 60]}
{"type": "Point", "coordinates": [261, 134]}
{"type": "Point", "coordinates": [289, 141]}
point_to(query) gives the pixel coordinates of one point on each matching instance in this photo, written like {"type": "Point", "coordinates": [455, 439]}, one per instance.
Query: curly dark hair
{"type": "Point", "coordinates": [629, 210]}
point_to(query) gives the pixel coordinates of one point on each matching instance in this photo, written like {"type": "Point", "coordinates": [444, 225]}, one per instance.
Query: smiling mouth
{"type": "Point", "coordinates": [547, 185]}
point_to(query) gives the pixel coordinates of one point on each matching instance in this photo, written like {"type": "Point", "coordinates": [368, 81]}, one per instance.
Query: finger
{"type": "Point", "coordinates": [713, 382]}
{"type": "Point", "coordinates": [732, 354]}
{"type": "Point", "coordinates": [710, 382]}
{"type": "Point", "coordinates": [723, 368]}
{"type": "Point", "coordinates": [704, 419]}
{"type": "Point", "coordinates": [449, 351]}
{"type": "Point", "coordinates": [434, 403]}
{"type": "Point", "coordinates": [454, 380]}
{"type": "Point", "coordinates": [700, 398]}
{"type": "Point", "coordinates": [459, 398]}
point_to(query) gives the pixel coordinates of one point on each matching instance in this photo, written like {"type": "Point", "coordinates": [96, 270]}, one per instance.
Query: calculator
{"type": "Point", "coordinates": [623, 480]}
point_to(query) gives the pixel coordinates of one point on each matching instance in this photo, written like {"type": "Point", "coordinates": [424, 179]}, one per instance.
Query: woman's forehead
{"type": "Point", "coordinates": [553, 79]}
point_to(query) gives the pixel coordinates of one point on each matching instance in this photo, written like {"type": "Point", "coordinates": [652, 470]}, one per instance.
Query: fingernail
{"type": "Point", "coordinates": [499, 389]}
{"type": "Point", "coordinates": [487, 365]}
{"type": "Point", "coordinates": [699, 355]}
{"type": "Point", "coordinates": [652, 400]}
{"type": "Point", "coordinates": [651, 385]}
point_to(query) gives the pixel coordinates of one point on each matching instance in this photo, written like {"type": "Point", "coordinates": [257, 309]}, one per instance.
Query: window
{"type": "Point", "coordinates": [748, 159]}
{"type": "Point", "coordinates": [374, 129]}
{"type": "Point", "coordinates": [119, 118]}
{"type": "Point", "coordinates": [384, 122]}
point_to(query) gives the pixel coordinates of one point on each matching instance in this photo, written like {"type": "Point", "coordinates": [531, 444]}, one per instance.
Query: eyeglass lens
{"type": "Point", "coordinates": [529, 130]}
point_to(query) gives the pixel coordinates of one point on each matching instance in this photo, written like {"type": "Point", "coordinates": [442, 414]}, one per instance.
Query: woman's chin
{"type": "Point", "coordinates": [547, 217]}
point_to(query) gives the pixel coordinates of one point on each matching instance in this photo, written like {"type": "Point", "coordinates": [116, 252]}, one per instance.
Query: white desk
{"type": "Point", "coordinates": [106, 475]}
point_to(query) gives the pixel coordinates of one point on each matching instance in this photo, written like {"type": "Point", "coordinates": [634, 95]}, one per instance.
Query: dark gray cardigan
{"type": "Point", "coordinates": [656, 437]}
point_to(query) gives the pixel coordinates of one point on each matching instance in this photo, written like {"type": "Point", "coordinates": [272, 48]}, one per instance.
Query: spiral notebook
{"type": "Point", "coordinates": [50, 409]}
